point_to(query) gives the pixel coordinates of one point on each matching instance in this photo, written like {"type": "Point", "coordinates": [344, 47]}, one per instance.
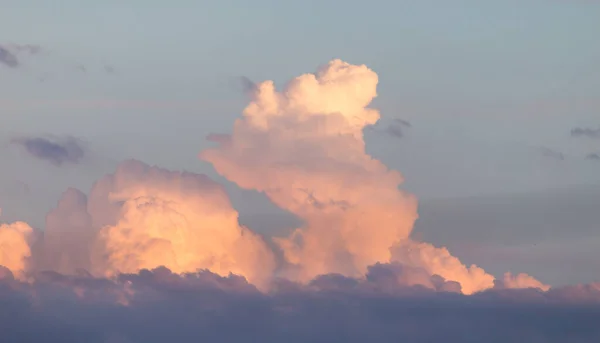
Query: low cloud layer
{"type": "Point", "coordinates": [159, 306]}
{"type": "Point", "coordinates": [57, 151]}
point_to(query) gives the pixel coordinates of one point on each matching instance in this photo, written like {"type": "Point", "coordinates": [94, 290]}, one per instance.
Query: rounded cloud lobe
{"type": "Point", "coordinates": [182, 221]}
{"type": "Point", "coordinates": [144, 217]}
{"type": "Point", "coordinates": [15, 251]}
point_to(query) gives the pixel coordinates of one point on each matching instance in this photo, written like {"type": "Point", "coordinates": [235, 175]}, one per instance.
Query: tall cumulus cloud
{"type": "Point", "coordinates": [151, 255]}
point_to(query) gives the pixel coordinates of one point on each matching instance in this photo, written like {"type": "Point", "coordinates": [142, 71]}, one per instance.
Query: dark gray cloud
{"type": "Point", "coordinates": [57, 151]}
{"type": "Point", "coordinates": [397, 127]}
{"type": "Point", "coordinates": [402, 122]}
{"type": "Point", "coordinates": [9, 53]}
{"type": "Point", "coordinates": [8, 58]}
{"type": "Point", "coordinates": [552, 153]}
{"type": "Point", "coordinates": [158, 306]}
{"type": "Point", "coordinates": [585, 132]}
{"type": "Point", "coordinates": [248, 86]}
{"type": "Point", "coordinates": [593, 157]}
{"type": "Point", "coordinates": [109, 69]}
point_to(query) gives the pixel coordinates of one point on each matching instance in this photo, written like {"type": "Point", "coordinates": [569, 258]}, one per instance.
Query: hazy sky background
{"type": "Point", "coordinates": [489, 88]}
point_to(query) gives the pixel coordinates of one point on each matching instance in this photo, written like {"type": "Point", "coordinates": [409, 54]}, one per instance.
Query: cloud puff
{"type": "Point", "coordinates": [146, 217]}
{"type": "Point", "coordinates": [9, 53]}
{"type": "Point", "coordinates": [593, 157]}
{"type": "Point", "coordinates": [396, 128]}
{"type": "Point", "coordinates": [585, 132]}
{"type": "Point", "coordinates": [58, 151]}
{"type": "Point", "coordinates": [15, 241]}
{"type": "Point", "coordinates": [8, 58]}
{"type": "Point", "coordinates": [547, 152]}
{"type": "Point", "coordinates": [68, 235]}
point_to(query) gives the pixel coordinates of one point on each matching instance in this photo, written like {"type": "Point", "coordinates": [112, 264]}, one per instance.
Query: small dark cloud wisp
{"type": "Point", "coordinates": [593, 157]}
{"type": "Point", "coordinates": [9, 53]}
{"type": "Point", "coordinates": [8, 58]}
{"type": "Point", "coordinates": [585, 132]}
{"type": "Point", "coordinates": [57, 151]}
{"type": "Point", "coordinates": [547, 152]}
{"type": "Point", "coordinates": [396, 128]}
{"type": "Point", "coordinates": [248, 86]}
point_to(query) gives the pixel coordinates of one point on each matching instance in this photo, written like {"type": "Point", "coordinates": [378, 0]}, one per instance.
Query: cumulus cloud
{"type": "Point", "coordinates": [585, 132]}
{"type": "Point", "coordinates": [68, 235]}
{"type": "Point", "coordinates": [145, 217]}
{"type": "Point", "coordinates": [303, 147]}
{"type": "Point", "coordinates": [153, 255]}
{"type": "Point", "coordinates": [520, 280]}
{"type": "Point", "coordinates": [56, 150]}
{"type": "Point", "coordinates": [15, 251]}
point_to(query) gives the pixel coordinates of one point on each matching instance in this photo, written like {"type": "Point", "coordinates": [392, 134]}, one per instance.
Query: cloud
{"type": "Point", "coordinates": [108, 69]}
{"type": "Point", "coordinates": [303, 147]}
{"type": "Point", "coordinates": [58, 151]}
{"type": "Point", "coordinates": [15, 240]}
{"type": "Point", "coordinates": [395, 129]}
{"type": "Point", "coordinates": [248, 86]}
{"type": "Point", "coordinates": [8, 58]}
{"type": "Point", "coordinates": [520, 281]}
{"type": "Point", "coordinates": [593, 157]}
{"type": "Point", "coordinates": [153, 255]}
{"type": "Point", "coordinates": [158, 306]}
{"type": "Point", "coordinates": [9, 53]}
{"type": "Point", "coordinates": [547, 152]}
{"type": "Point", "coordinates": [145, 217]}
{"type": "Point", "coordinates": [585, 132]}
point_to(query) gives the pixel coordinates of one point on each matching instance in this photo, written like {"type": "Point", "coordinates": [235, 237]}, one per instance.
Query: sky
{"type": "Point", "coordinates": [489, 111]}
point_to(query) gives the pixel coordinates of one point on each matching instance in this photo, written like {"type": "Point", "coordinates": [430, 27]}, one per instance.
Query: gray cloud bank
{"type": "Point", "coordinates": [57, 151]}
{"type": "Point", "coordinates": [159, 306]}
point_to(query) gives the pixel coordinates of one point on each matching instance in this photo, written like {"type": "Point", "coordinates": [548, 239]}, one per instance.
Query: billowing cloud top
{"type": "Point", "coordinates": [304, 148]}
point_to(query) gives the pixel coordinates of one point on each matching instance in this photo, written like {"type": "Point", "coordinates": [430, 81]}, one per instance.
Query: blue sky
{"type": "Point", "coordinates": [486, 85]}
